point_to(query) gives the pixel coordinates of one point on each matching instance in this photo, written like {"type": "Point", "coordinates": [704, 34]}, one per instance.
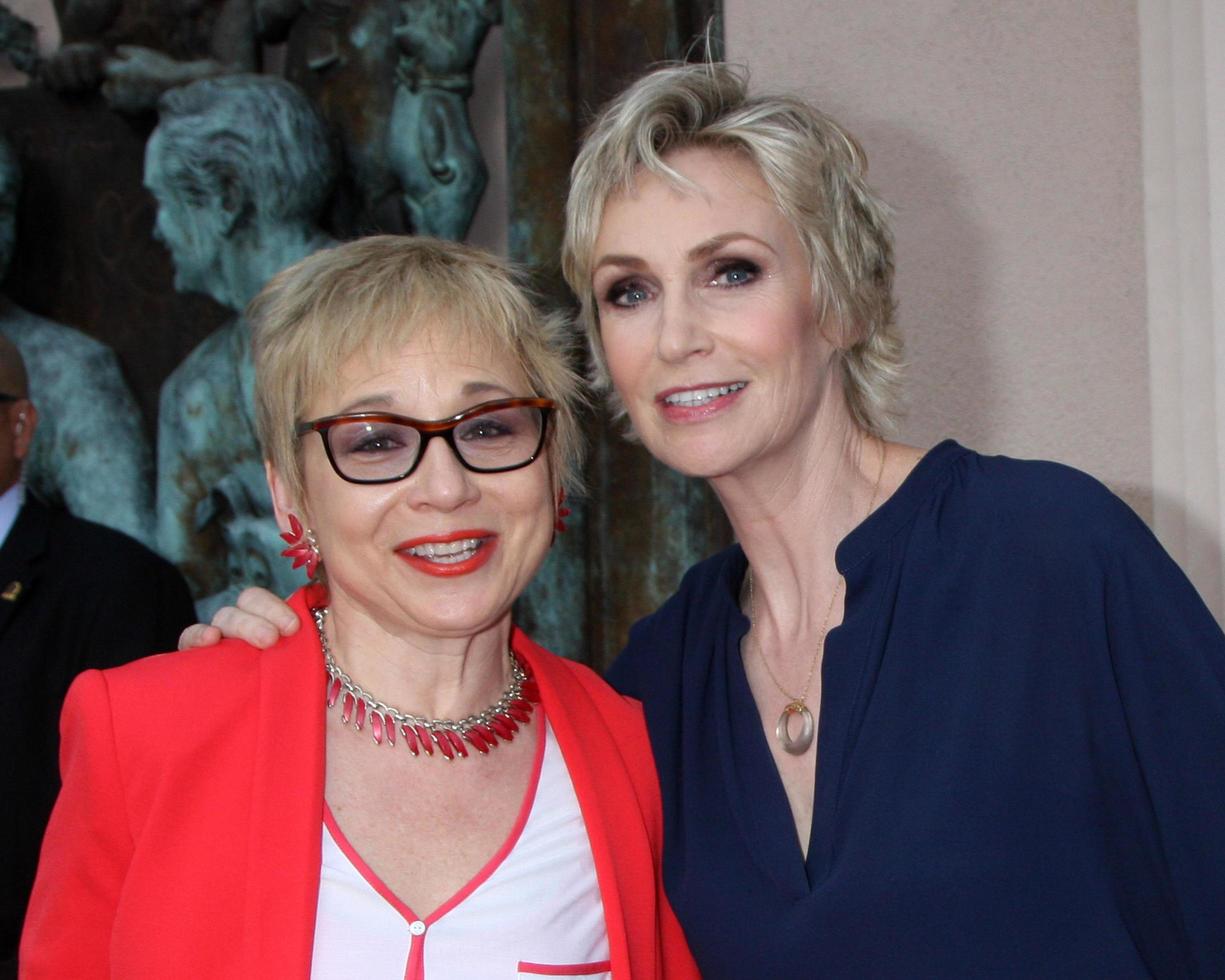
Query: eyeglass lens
{"type": "Point", "coordinates": [499, 439]}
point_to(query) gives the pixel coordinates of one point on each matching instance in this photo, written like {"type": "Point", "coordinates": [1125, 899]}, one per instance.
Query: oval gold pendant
{"type": "Point", "coordinates": [802, 742]}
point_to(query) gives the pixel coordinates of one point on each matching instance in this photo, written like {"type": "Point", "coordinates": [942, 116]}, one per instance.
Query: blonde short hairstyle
{"type": "Point", "coordinates": [371, 296]}
{"type": "Point", "coordinates": [816, 172]}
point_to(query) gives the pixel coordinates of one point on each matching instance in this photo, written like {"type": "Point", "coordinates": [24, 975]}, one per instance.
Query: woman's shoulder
{"type": "Point", "coordinates": [203, 669]}
{"type": "Point", "coordinates": [1028, 495]}
{"type": "Point", "coordinates": [169, 701]}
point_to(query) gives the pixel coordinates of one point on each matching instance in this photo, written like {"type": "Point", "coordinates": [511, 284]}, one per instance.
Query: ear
{"type": "Point", "coordinates": [25, 421]}
{"type": "Point", "coordinates": [838, 334]}
{"type": "Point", "coordinates": [282, 503]}
{"type": "Point", "coordinates": [233, 201]}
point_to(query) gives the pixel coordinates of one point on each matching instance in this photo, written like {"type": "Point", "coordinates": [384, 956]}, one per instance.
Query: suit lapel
{"type": "Point", "coordinates": [286, 827]}
{"type": "Point", "coordinates": [20, 557]}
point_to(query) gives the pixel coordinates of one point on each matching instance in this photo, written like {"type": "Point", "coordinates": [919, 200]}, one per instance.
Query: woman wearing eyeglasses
{"type": "Point", "coordinates": [407, 787]}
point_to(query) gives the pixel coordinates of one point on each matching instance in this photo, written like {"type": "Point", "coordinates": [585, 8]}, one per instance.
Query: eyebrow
{"type": "Point", "coordinates": [700, 251]}
{"type": "Point", "coordinates": [384, 400]}
{"type": "Point", "coordinates": [712, 245]}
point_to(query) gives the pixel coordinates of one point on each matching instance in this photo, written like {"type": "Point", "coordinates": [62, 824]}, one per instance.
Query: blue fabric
{"type": "Point", "coordinates": [1021, 737]}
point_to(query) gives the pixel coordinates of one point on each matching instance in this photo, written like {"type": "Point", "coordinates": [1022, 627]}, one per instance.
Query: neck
{"type": "Point", "coordinates": [790, 512]}
{"type": "Point", "coordinates": [432, 676]}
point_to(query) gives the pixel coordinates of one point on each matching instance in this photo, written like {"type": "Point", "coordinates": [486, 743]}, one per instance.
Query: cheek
{"type": "Point", "coordinates": [626, 353]}
{"type": "Point", "coordinates": [536, 511]}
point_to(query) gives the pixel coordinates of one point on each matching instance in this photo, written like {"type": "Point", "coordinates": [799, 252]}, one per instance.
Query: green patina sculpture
{"type": "Point", "coordinates": [135, 49]}
{"type": "Point", "coordinates": [430, 144]}
{"type": "Point", "coordinates": [241, 168]}
{"type": "Point", "coordinates": [391, 77]}
{"type": "Point", "coordinates": [89, 453]}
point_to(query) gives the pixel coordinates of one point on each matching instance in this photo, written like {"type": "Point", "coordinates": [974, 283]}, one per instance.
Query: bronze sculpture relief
{"type": "Point", "coordinates": [241, 169]}
{"type": "Point", "coordinates": [89, 454]}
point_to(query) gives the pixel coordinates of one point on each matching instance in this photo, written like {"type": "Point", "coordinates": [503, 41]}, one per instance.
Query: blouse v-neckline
{"type": "Point", "coordinates": [754, 784]}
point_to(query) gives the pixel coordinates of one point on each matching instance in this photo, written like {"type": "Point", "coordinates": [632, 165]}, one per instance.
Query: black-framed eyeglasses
{"type": "Point", "coordinates": [377, 447]}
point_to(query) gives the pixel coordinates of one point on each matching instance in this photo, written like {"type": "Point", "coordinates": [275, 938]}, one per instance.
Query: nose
{"type": "Point", "coordinates": [682, 332]}
{"type": "Point", "coordinates": [440, 481]}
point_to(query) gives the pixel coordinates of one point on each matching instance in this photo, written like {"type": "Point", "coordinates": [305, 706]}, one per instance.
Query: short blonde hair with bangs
{"type": "Point", "coordinates": [371, 296]}
{"type": "Point", "coordinates": [817, 174]}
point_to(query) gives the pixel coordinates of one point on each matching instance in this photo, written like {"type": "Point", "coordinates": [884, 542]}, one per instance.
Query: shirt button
{"type": "Point", "coordinates": [417, 928]}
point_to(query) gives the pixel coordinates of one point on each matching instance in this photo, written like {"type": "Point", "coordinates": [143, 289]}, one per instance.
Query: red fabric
{"type": "Point", "coordinates": [186, 840]}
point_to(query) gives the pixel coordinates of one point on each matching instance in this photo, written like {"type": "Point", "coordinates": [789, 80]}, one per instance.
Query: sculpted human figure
{"type": "Point", "coordinates": [90, 455]}
{"type": "Point", "coordinates": [240, 167]}
{"type": "Point", "coordinates": [430, 143]}
{"type": "Point", "coordinates": [392, 78]}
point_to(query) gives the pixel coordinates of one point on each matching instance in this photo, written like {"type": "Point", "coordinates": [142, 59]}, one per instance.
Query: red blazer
{"type": "Point", "coordinates": [186, 839]}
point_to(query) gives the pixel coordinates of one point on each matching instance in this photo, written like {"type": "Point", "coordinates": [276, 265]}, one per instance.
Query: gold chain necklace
{"type": "Point", "coordinates": [797, 705]}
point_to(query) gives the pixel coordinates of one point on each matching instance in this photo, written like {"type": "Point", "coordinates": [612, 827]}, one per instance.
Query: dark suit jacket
{"type": "Point", "coordinates": [73, 595]}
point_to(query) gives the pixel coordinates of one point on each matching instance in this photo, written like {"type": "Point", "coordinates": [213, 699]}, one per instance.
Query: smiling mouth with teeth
{"type": "Point", "coordinates": [447, 552]}
{"type": "Point", "coordinates": [700, 396]}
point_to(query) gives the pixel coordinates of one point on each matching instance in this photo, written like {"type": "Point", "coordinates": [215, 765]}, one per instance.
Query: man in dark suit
{"type": "Point", "coordinates": [73, 595]}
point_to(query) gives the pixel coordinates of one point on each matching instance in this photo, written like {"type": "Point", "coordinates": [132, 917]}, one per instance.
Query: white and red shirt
{"type": "Point", "coordinates": [533, 911]}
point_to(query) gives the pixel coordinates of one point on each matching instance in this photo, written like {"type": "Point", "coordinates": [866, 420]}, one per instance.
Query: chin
{"type": "Point", "coordinates": [694, 457]}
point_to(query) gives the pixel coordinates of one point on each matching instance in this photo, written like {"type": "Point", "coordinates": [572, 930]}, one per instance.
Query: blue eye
{"type": "Point", "coordinates": [739, 272]}
{"type": "Point", "coordinates": [628, 292]}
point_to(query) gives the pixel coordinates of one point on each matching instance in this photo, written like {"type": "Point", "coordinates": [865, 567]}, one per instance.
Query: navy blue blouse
{"type": "Point", "coordinates": [1021, 766]}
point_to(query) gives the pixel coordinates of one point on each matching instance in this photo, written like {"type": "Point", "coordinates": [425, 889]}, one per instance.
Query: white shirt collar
{"type": "Point", "coordinates": [10, 503]}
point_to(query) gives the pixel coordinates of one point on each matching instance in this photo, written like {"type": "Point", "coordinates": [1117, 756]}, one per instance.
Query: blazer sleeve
{"type": "Point", "coordinates": [1168, 654]}
{"type": "Point", "coordinates": [87, 848]}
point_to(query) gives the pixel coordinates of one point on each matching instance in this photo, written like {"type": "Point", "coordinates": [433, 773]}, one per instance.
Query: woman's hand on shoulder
{"type": "Point", "coordinates": [260, 618]}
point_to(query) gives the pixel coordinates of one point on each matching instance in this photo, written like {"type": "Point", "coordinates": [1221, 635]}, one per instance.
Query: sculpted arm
{"type": "Point", "coordinates": [136, 78]}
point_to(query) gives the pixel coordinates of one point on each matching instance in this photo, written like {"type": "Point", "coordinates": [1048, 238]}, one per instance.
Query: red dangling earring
{"type": "Point", "coordinates": [562, 512]}
{"type": "Point", "coordinates": [303, 548]}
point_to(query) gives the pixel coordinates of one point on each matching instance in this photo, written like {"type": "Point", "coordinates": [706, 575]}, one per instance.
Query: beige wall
{"type": "Point", "coordinates": [1007, 138]}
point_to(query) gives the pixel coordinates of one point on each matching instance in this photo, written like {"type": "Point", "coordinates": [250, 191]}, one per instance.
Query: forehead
{"type": "Point", "coordinates": [436, 371]}
{"type": "Point", "coordinates": [717, 187]}
{"type": "Point", "coordinates": [723, 196]}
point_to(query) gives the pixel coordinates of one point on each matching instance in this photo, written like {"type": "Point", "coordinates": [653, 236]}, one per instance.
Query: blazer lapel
{"type": "Point", "coordinates": [606, 798]}
{"type": "Point", "coordinates": [285, 834]}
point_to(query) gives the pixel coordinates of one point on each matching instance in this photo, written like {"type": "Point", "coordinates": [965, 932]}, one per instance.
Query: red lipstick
{"type": "Point", "coordinates": [451, 554]}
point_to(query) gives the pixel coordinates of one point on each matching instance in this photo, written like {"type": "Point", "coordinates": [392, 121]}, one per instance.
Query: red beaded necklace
{"type": "Point", "coordinates": [481, 731]}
